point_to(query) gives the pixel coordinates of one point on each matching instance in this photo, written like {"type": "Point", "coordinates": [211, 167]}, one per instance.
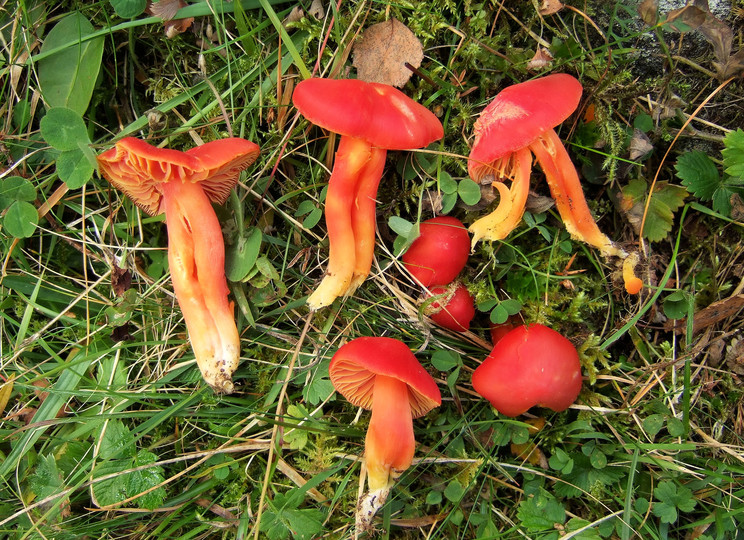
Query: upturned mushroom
{"type": "Point", "coordinates": [371, 118]}
{"type": "Point", "coordinates": [531, 365]}
{"type": "Point", "coordinates": [382, 375]}
{"type": "Point", "coordinates": [183, 185]}
{"type": "Point", "coordinates": [516, 125]}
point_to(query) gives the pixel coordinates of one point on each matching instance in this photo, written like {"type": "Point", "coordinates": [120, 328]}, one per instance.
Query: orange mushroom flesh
{"type": "Point", "coordinates": [371, 119]}
{"type": "Point", "coordinates": [519, 123]}
{"type": "Point", "coordinates": [382, 374]}
{"type": "Point", "coordinates": [183, 185]}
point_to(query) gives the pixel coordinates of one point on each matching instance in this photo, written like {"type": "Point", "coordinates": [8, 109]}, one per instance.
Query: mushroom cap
{"type": "Point", "coordinates": [378, 113]}
{"type": "Point", "coordinates": [356, 364]}
{"type": "Point", "coordinates": [136, 168]}
{"type": "Point", "coordinates": [519, 114]}
{"type": "Point", "coordinates": [531, 365]}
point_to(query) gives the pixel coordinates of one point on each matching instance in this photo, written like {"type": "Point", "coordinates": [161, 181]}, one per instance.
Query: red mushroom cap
{"type": "Point", "coordinates": [439, 253]}
{"type": "Point", "coordinates": [519, 114]}
{"type": "Point", "coordinates": [454, 311]}
{"type": "Point", "coordinates": [531, 365]}
{"type": "Point", "coordinates": [136, 168]}
{"type": "Point", "coordinates": [354, 366]}
{"type": "Point", "coordinates": [378, 113]}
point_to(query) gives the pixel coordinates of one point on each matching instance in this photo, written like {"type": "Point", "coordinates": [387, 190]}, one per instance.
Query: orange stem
{"type": "Point", "coordinates": [498, 224]}
{"type": "Point", "coordinates": [351, 157]}
{"type": "Point", "coordinates": [196, 256]}
{"type": "Point", "coordinates": [389, 445]}
{"type": "Point", "coordinates": [364, 216]}
{"type": "Point", "coordinates": [565, 188]}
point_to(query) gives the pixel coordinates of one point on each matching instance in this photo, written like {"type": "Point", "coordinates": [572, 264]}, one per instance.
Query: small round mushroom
{"type": "Point", "coordinates": [517, 124]}
{"type": "Point", "coordinates": [439, 253]}
{"type": "Point", "coordinates": [183, 185]}
{"type": "Point", "coordinates": [371, 119]}
{"type": "Point", "coordinates": [531, 365]}
{"type": "Point", "coordinates": [382, 375]}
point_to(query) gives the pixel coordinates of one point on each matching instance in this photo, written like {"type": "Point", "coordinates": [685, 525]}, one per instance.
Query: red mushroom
{"type": "Point", "coordinates": [183, 185]}
{"type": "Point", "coordinates": [515, 125]}
{"type": "Point", "coordinates": [371, 119]}
{"type": "Point", "coordinates": [531, 365]}
{"type": "Point", "coordinates": [382, 374]}
{"type": "Point", "coordinates": [454, 310]}
{"type": "Point", "coordinates": [439, 253]}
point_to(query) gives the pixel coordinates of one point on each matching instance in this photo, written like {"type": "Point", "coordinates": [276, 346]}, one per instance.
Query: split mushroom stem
{"type": "Point", "coordinates": [499, 223]}
{"type": "Point", "coordinates": [565, 187]}
{"type": "Point", "coordinates": [196, 261]}
{"type": "Point", "coordinates": [371, 119]}
{"type": "Point", "coordinates": [350, 218]}
{"type": "Point", "coordinates": [183, 185]}
{"type": "Point", "coordinates": [390, 444]}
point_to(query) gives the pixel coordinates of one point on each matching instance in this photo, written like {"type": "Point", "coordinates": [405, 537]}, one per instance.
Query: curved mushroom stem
{"type": "Point", "coordinates": [196, 256]}
{"type": "Point", "coordinates": [352, 156]}
{"type": "Point", "coordinates": [565, 188]}
{"type": "Point", "coordinates": [363, 216]}
{"type": "Point", "coordinates": [633, 284]}
{"type": "Point", "coordinates": [498, 224]}
{"type": "Point", "coordinates": [389, 445]}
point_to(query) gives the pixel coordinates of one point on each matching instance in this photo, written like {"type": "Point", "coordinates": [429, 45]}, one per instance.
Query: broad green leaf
{"type": "Point", "coordinates": [672, 498]}
{"type": "Point", "coordinates": [644, 122]}
{"type": "Point", "coordinates": [541, 512]}
{"type": "Point", "coordinates": [698, 174]}
{"type": "Point", "coordinates": [312, 219]}
{"type": "Point", "coordinates": [469, 191]}
{"type": "Point", "coordinates": [666, 199]}
{"type": "Point", "coordinates": [446, 183]}
{"type": "Point", "coordinates": [116, 442]}
{"type": "Point", "coordinates": [73, 168]}
{"type": "Point", "coordinates": [733, 153]}
{"type": "Point", "coordinates": [21, 219]}
{"type": "Point", "coordinates": [15, 188]}
{"type": "Point", "coordinates": [677, 305]}
{"type": "Point", "coordinates": [445, 360]}
{"type": "Point", "coordinates": [454, 491]}
{"type": "Point", "coordinates": [140, 481]}
{"type": "Point", "coordinates": [400, 226]}
{"type": "Point", "coordinates": [128, 9]}
{"type": "Point", "coordinates": [67, 78]}
{"type": "Point", "coordinates": [499, 314]}
{"type": "Point", "coordinates": [46, 481]}
{"type": "Point", "coordinates": [241, 257]}
{"type": "Point", "coordinates": [64, 129]}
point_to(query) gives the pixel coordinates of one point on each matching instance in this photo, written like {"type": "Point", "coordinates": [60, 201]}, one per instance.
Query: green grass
{"type": "Point", "coordinates": [104, 437]}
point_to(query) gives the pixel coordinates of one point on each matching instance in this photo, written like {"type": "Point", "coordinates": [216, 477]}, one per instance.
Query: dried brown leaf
{"type": "Point", "coordinates": [166, 10]}
{"type": "Point", "coordinates": [640, 145]}
{"type": "Point", "coordinates": [718, 34]}
{"type": "Point", "coordinates": [121, 280]}
{"type": "Point", "coordinates": [710, 315]}
{"type": "Point", "coordinates": [542, 59]}
{"type": "Point", "coordinates": [548, 7]}
{"type": "Point", "coordinates": [732, 67]}
{"type": "Point", "coordinates": [384, 50]}
{"type": "Point", "coordinates": [649, 12]}
{"type": "Point", "coordinates": [691, 17]}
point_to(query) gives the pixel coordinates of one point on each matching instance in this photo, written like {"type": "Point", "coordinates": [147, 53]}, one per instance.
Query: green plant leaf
{"type": "Point", "coordinates": [698, 174]}
{"type": "Point", "coordinates": [677, 305]}
{"type": "Point", "coordinates": [445, 360]}
{"type": "Point", "coordinates": [15, 188]}
{"type": "Point", "coordinates": [541, 512]}
{"type": "Point", "coordinates": [446, 183]}
{"type": "Point", "coordinates": [666, 199]}
{"type": "Point", "coordinates": [67, 78]}
{"type": "Point", "coordinates": [400, 226]}
{"type": "Point", "coordinates": [241, 257]}
{"type": "Point", "coordinates": [128, 9]}
{"type": "Point", "coordinates": [145, 479]}
{"type": "Point", "coordinates": [64, 129]}
{"type": "Point", "coordinates": [469, 191]}
{"type": "Point", "coordinates": [671, 499]}
{"type": "Point", "coordinates": [73, 168]}
{"type": "Point", "coordinates": [21, 219]}
{"type": "Point", "coordinates": [733, 153]}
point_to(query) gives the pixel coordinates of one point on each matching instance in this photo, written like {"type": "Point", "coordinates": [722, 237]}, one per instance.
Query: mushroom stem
{"type": "Point", "coordinates": [498, 224]}
{"type": "Point", "coordinates": [197, 265]}
{"type": "Point", "coordinates": [352, 156]}
{"type": "Point", "coordinates": [565, 188]}
{"type": "Point", "coordinates": [389, 445]}
{"type": "Point", "coordinates": [363, 216]}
